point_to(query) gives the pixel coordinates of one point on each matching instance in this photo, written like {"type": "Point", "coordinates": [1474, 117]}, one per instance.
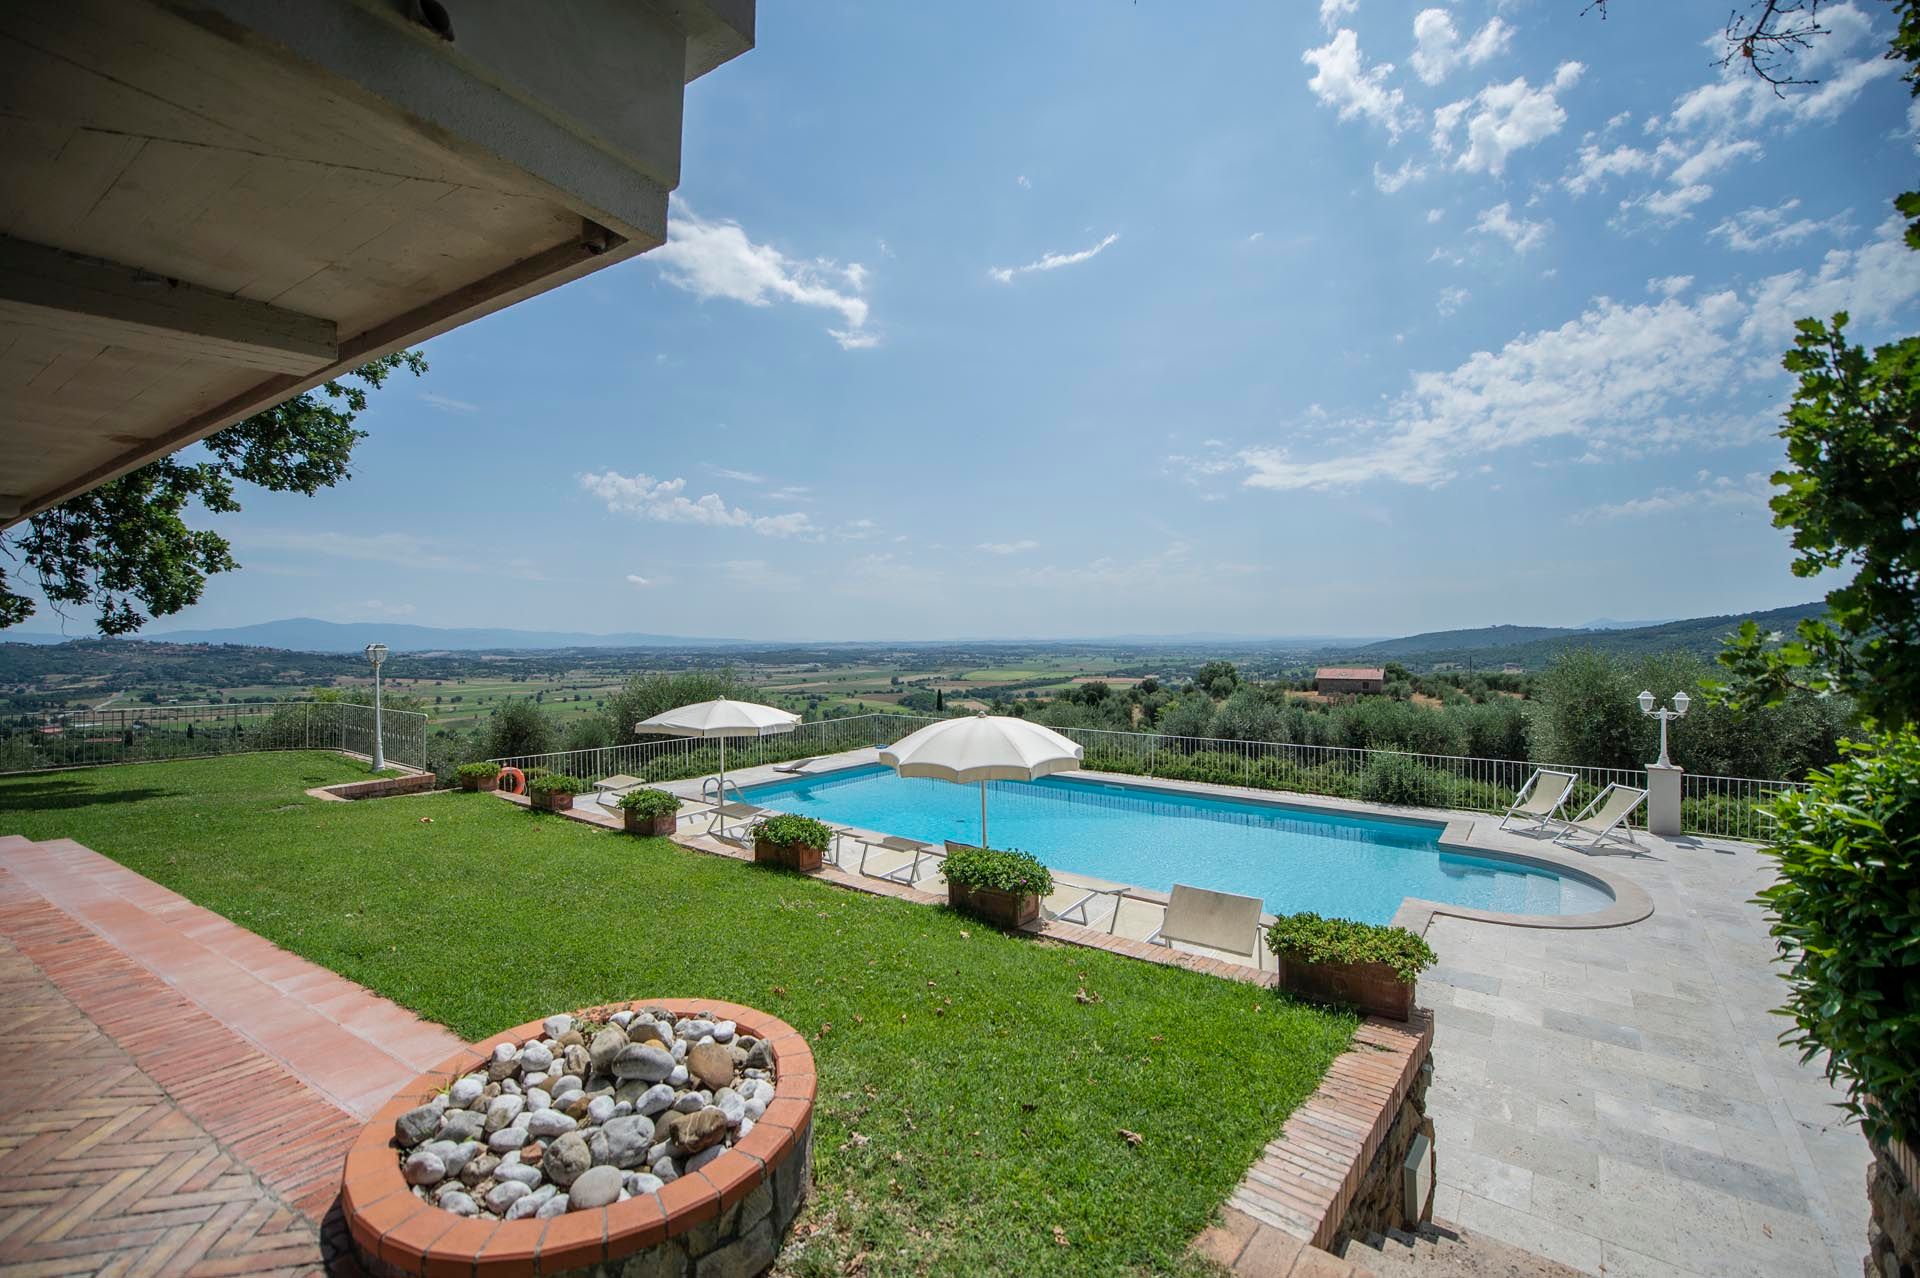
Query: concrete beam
{"type": "Point", "coordinates": [595, 247]}
{"type": "Point", "coordinates": [119, 305]}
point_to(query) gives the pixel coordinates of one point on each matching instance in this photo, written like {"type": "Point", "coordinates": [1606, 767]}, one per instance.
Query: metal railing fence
{"type": "Point", "coordinates": [141, 734]}
{"type": "Point", "coordinates": [1725, 807]}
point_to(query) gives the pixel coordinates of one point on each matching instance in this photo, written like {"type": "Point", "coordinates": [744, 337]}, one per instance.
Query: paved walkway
{"type": "Point", "coordinates": [175, 1096]}
{"type": "Point", "coordinates": [1616, 1099]}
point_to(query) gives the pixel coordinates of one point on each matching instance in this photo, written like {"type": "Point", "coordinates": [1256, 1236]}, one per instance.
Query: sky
{"type": "Point", "coordinates": [1325, 317]}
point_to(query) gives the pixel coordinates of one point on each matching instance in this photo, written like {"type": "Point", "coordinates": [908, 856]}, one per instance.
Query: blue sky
{"type": "Point", "coordinates": [1079, 319]}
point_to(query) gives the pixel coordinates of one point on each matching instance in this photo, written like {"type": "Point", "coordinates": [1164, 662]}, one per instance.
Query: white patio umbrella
{"type": "Point", "coordinates": [721, 718]}
{"type": "Point", "coordinates": [984, 748]}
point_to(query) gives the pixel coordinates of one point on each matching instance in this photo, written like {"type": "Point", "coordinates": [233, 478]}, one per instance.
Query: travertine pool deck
{"type": "Point", "coordinates": [1614, 1097]}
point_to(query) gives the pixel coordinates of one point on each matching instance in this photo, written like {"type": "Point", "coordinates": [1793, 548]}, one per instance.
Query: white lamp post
{"type": "Point", "coordinates": [377, 653]}
{"type": "Point", "coordinates": [1680, 703]}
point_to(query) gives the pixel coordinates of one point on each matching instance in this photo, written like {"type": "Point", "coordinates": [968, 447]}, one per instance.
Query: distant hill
{"type": "Point", "coordinates": [306, 634]}
{"type": "Point", "coordinates": [1533, 647]}
{"type": "Point", "coordinates": [1465, 640]}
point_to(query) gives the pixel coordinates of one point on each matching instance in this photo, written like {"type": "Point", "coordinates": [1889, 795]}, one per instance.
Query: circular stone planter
{"type": "Point", "coordinates": [730, 1215]}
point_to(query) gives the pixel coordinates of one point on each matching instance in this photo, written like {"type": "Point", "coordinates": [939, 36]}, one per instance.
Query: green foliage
{"type": "Point", "coordinates": [126, 542]}
{"type": "Point", "coordinates": [649, 803]}
{"type": "Point", "coordinates": [592, 733]}
{"type": "Point", "coordinates": [1394, 778]}
{"type": "Point", "coordinates": [1585, 713]}
{"type": "Point", "coordinates": [1312, 939]}
{"type": "Point", "coordinates": [647, 695]}
{"type": "Point", "coordinates": [518, 729]}
{"type": "Point", "coordinates": [1851, 496]}
{"type": "Point", "coordinates": [556, 783]}
{"type": "Point", "coordinates": [789, 829]}
{"type": "Point", "coordinates": [1217, 679]}
{"type": "Point", "coordinates": [477, 771]}
{"type": "Point", "coordinates": [1846, 912]}
{"type": "Point", "coordinates": [997, 870]}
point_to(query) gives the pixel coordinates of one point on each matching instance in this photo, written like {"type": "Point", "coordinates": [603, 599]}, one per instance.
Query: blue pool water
{"type": "Point", "coordinates": [1294, 858]}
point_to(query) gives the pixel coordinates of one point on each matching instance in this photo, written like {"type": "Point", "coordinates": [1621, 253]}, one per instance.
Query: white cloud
{"type": "Point", "coordinates": [1710, 491]}
{"type": "Point", "coordinates": [1434, 215]}
{"type": "Point", "coordinates": [1389, 183]}
{"type": "Point", "coordinates": [665, 501]}
{"type": "Point", "coordinates": [1740, 99]}
{"type": "Point", "coordinates": [718, 259]}
{"type": "Point", "coordinates": [1052, 261]}
{"type": "Point", "coordinates": [1504, 118]}
{"type": "Point", "coordinates": [1757, 229]}
{"type": "Point", "coordinates": [1009, 547]}
{"type": "Point", "coordinates": [635, 579]}
{"type": "Point", "coordinates": [1618, 380]}
{"type": "Point", "coordinates": [1024, 184]}
{"type": "Point", "coordinates": [447, 404]}
{"type": "Point", "coordinates": [1670, 285]}
{"type": "Point", "coordinates": [1672, 205]}
{"type": "Point", "coordinates": [740, 476]}
{"type": "Point", "coordinates": [1523, 235]}
{"type": "Point", "coordinates": [1705, 161]}
{"type": "Point", "coordinates": [1451, 300]}
{"type": "Point", "coordinates": [1438, 50]}
{"type": "Point", "coordinates": [1331, 11]}
{"type": "Point", "coordinates": [1341, 79]}
{"type": "Point", "coordinates": [1594, 166]}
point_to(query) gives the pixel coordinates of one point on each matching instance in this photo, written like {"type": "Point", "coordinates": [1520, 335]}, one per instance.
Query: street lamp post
{"type": "Point", "coordinates": [377, 653]}
{"type": "Point", "coordinates": [1664, 808]}
{"type": "Point", "coordinates": [1680, 703]}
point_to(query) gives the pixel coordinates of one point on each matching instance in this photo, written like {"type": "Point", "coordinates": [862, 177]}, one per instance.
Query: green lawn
{"type": "Point", "coordinates": [970, 1104]}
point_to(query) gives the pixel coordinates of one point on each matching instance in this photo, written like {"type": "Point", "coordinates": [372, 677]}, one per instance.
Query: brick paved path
{"type": "Point", "coordinates": [143, 1135]}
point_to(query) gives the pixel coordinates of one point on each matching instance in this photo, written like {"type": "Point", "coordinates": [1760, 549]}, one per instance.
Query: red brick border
{"type": "Point", "coordinates": [399, 1233]}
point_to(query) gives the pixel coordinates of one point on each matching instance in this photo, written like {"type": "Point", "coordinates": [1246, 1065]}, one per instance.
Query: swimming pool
{"type": "Point", "coordinates": [1355, 867]}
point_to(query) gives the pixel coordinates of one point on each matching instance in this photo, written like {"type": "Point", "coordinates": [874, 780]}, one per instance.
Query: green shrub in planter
{"type": "Point", "coordinates": [1846, 913]}
{"type": "Point", "coordinates": [478, 776]}
{"type": "Point", "coordinates": [554, 791]}
{"type": "Point", "coordinates": [791, 840]}
{"type": "Point", "coordinates": [650, 811]}
{"type": "Point", "coordinates": [1003, 887]}
{"type": "Point", "coordinates": [998, 870]}
{"type": "Point", "coordinates": [1341, 961]}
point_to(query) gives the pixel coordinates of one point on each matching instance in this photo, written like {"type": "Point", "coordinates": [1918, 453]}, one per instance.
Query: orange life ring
{"type": "Point", "coordinates": [513, 781]}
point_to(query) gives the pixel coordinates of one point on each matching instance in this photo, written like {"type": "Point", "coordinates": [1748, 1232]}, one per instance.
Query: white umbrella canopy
{"type": "Point", "coordinates": [982, 749]}
{"type": "Point", "coordinates": [721, 718]}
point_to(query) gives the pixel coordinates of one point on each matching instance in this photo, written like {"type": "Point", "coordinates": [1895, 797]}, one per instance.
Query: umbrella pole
{"type": "Point", "coordinates": [983, 814]}
{"type": "Point", "coordinates": [722, 796]}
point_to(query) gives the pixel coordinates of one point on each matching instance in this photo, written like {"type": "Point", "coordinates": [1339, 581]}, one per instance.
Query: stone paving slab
{"type": "Point", "coordinates": [1617, 1100]}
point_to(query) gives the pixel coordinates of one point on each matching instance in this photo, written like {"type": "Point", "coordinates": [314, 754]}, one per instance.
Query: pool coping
{"type": "Point", "coordinates": [1465, 833]}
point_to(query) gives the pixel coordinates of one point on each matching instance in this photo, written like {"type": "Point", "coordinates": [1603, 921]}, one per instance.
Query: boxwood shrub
{"type": "Point", "coordinates": [788, 828]}
{"type": "Point", "coordinates": [1312, 939]}
{"type": "Point", "coordinates": [648, 803]}
{"type": "Point", "coordinates": [477, 771]}
{"type": "Point", "coordinates": [998, 870]}
{"type": "Point", "coordinates": [1846, 913]}
{"type": "Point", "coordinates": [556, 783]}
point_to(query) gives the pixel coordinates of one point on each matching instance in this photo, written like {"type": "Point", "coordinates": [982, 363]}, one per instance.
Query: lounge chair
{"type": "Point", "coordinates": [795, 767]}
{"type": "Point", "coordinates": [1540, 798]}
{"type": "Point", "coordinates": [618, 784]}
{"type": "Point", "coordinates": [1605, 818]}
{"type": "Point", "coordinates": [1212, 924]}
{"type": "Point", "coordinates": [908, 872]}
{"type": "Point", "coordinates": [745, 813]}
{"type": "Point", "coordinates": [1076, 899]}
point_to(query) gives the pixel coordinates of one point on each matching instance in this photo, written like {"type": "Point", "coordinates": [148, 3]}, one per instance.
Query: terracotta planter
{"type": "Point", "coordinates": [471, 784]}
{"type": "Point", "coordinates": [1374, 988]}
{"type": "Point", "coordinates": [794, 856]}
{"type": "Point", "coordinates": [1009, 910]}
{"type": "Point", "coordinates": [658, 826]}
{"type": "Point", "coordinates": [554, 802]}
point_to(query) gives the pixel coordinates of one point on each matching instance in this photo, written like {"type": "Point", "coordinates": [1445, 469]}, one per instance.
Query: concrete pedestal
{"type": "Point", "coordinates": [1663, 799]}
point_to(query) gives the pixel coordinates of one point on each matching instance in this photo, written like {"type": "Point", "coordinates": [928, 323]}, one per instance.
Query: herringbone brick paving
{"type": "Point", "coordinates": [141, 1137]}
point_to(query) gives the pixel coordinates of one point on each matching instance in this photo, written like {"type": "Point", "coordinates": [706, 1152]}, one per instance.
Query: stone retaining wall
{"type": "Point", "coordinates": [381, 787]}
{"type": "Point", "coordinates": [1379, 1204]}
{"type": "Point", "coordinates": [1893, 1230]}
